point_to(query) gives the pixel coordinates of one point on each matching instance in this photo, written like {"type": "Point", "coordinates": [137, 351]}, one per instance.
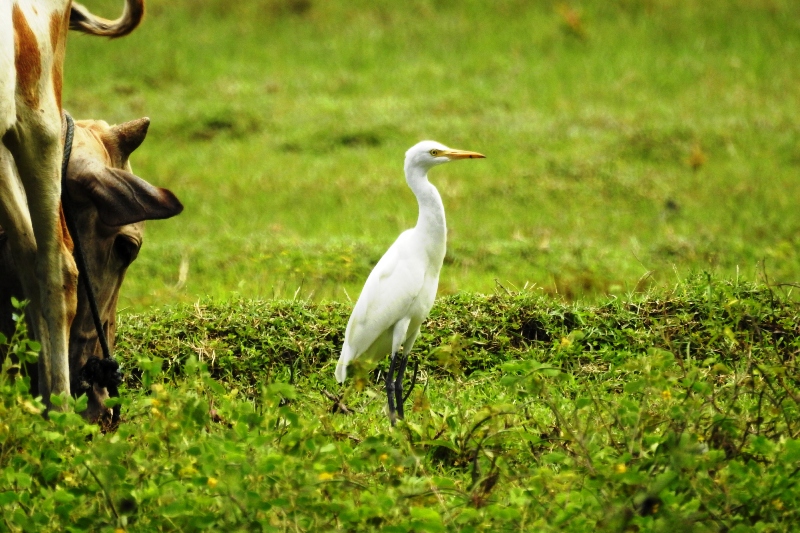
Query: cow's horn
{"type": "Point", "coordinates": [130, 134]}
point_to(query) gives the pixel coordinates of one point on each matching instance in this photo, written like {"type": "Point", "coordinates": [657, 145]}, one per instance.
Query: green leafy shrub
{"type": "Point", "coordinates": [675, 409]}
{"type": "Point", "coordinates": [250, 342]}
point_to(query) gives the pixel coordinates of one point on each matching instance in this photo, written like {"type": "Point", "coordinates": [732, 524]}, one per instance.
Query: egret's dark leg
{"type": "Point", "coordinates": [398, 385]}
{"type": "Point", "coordinates": [413, 381]}
{"type": "Point", "coordinates": [390, 388]}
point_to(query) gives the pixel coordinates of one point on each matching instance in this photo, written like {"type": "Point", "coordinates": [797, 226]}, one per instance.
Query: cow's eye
{"type": "Point", "coordinates": [126, 249]}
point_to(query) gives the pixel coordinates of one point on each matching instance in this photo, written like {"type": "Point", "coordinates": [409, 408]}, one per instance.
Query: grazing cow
{"type": "Point", "coordinates": [110, 205]}
{"type": "Point", "coordinates": [33, 37]}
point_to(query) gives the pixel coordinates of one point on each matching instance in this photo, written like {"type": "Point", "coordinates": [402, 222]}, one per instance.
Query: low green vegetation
{"type": "Point", "coordinates": [675, 408]}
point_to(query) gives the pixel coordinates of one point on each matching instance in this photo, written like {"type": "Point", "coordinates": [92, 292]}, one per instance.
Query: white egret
{"type": "Point", "coordinates": [400, 290]}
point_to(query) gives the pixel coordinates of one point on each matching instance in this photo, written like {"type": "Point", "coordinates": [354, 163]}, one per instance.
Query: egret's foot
{"type": "Point", "coordinates": [338, 403]}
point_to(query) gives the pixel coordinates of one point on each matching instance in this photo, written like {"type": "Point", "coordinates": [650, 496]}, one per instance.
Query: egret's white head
{"type": "Point", "coordinates": [427, 154]}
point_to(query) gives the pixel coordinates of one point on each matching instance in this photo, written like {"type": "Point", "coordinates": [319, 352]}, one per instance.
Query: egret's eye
{"type": "Point", "coordinates": [434, 152]}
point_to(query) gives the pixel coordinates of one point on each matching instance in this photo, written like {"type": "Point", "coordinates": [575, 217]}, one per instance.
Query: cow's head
{"type": "Point", "coordinates": [110, 206]}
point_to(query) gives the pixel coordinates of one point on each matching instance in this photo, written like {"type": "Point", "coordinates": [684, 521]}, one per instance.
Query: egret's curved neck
{"type": "Point", "coordinates": [431, 221]}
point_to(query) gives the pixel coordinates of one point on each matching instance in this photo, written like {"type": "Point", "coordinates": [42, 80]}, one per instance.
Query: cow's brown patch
{"type": "Point", "coordinates": [57, 80]}
{"type": "Point", "coordinates": [55, 29]}
{"type": "Point", "coordinates": [71, 297]}
{"type": "Point", "coordinates": [70, 271]}
{"type": "Point", "coordinates": [59, 24]}
{"type": "Point", "coordinates": [66, 238]}
{"type": "Point", "coordinates": [27, 58]}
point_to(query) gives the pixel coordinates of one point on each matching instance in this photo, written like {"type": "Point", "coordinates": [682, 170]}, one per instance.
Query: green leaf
{"type": "Point", "coordinates": [112, 402]}
{"type": "Point", "coordinates": [62, 496]}
{"type": "Point", "coordinates": [51, 471]}
{"type": "Point", "coordinates": [8, 497]}
{"type": "Point", "coordinates": [580, 403]}
{"type": "Point", "coordinates": [576, 335]}
{"type": "Point", "coordinates": [52, 436]}
{"type": "Point", "coordinates": [634, 386]}
{"type": "Point", "coordinates": [791, 451]}
{"type": "Point", "coordinates": [440, 443]}
{"type": "Point", "coordinates": [23, 480]}
{"type": "Point", "coordinates": [554, 458]}
{"type": "Point", "coordinates": [174, 509]}
{"type": "Point", "coordinates": [81, 403]}
{"type": "Point", "coordinates": [215, 387]}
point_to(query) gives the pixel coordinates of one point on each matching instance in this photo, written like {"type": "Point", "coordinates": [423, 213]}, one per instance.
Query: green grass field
{"type": "Point", "coordinates": [622, 138]}
{"type": "Point", "coordinates": [615, 344]}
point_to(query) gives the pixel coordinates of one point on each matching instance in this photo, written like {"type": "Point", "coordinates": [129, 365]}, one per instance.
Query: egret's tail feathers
{"type": "Point", "coordinates": [344, 360]}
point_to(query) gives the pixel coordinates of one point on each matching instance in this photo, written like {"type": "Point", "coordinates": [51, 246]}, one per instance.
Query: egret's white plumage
{"type": "Point", "coordinates": [400, 290]}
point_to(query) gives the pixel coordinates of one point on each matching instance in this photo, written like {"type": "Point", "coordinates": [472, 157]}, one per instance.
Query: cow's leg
{"type": "Point", "coordinates": [14, 217]}
{"type": "Point", "coordinates": [37, 151]}
{"type": "Point", "coordinates": [13, 208]}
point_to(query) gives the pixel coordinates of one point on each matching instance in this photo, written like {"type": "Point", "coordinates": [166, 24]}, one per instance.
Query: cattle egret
{"type": "Point", "coordinates": [400, 290]}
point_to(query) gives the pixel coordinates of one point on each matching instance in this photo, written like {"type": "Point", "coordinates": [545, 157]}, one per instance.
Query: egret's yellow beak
{"type": "Point", "coordinates": [462, 154]}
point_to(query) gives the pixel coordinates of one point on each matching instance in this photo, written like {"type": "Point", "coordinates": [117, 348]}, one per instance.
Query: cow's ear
{"type": "Point", "coordinates": [123, 198]}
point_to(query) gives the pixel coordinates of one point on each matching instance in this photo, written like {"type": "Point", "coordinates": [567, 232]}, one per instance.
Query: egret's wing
{"type": "Point", "coordinates": [391, 288]}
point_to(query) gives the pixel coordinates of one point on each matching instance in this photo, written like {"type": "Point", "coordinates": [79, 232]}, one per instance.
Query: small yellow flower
{"type": "Point", "coordinates": [212, 482]}
{"type": "Point", "coordinates": [154, 402]}
{"type": "Point", "coordinates": [777, 504]}
{"type": "Point", "coordinates": [325, 476]}
{"type": "Point", "coordinates": [399, 469]}
{"type": "Point", "coordinates": [666, 394]}
{"type": "Point", "coordinates": [565, 342]}
{"type": "Point", "coordinates": [621, 468]}
{"type": "Point", "coordinates": [155, 412]}
{"type": "Point", "coordinates": [382, 458]}
{"type": "Point", "coordinates": [119, 530]}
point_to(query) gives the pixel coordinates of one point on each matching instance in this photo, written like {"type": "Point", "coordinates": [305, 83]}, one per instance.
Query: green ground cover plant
{"type": "Point", "coordinates": [672, 408]}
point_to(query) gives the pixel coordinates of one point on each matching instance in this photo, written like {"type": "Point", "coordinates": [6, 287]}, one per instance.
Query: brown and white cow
{"type": "Point", "coordinates": [110, 205]}
{"type": "Point", "coordinates": [33, 37]}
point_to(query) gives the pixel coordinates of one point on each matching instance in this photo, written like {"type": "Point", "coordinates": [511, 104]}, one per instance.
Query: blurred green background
{"type": "Point", "coordinates": [629, 142]}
